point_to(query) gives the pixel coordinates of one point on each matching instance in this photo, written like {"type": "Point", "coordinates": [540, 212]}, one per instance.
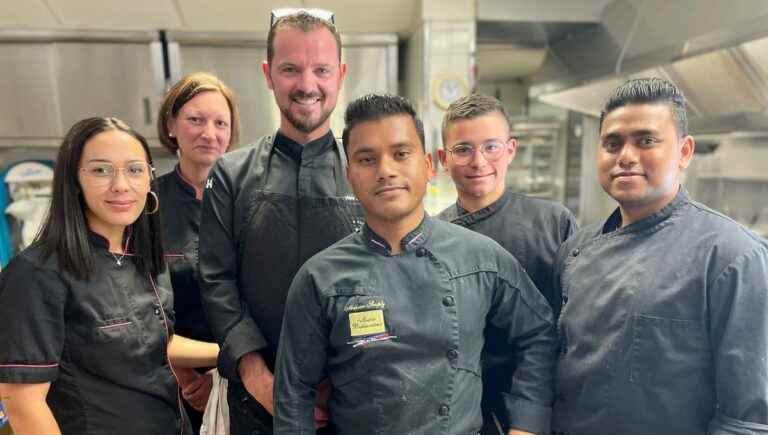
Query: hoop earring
{"type": "Point", "coordinates": [157, 203]}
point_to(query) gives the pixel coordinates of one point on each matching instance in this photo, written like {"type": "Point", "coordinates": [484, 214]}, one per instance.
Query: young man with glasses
{"type": "Point", "coordinates": [267, 208]}
{"type": "Point", "coordinates": [394, 314]}
{"type": "Point", "coordinates": [477, 149]}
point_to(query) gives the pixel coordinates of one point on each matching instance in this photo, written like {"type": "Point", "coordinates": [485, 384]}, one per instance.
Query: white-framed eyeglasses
{"type": "Point", "coordinates": [322, 14]}
{"type": "Point", "coordinates": [102, 173]}
{"type": "Point", "coordinates": [464, 153]}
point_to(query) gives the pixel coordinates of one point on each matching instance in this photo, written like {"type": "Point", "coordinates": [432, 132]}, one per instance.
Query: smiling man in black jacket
{"type": "Point", "coordinates": [477, 149]}
{"type": "Point", "coordinates": [664, 328]}
{"type": "Point", "coordinates": [267, 208]}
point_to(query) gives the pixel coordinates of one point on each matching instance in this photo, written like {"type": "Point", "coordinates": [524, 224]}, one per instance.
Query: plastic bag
{"type": "Point", "coordinates": [216, 415]}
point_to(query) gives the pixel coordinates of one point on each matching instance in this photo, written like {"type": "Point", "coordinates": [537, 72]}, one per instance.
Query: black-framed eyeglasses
{"type": "Point", "coordinates": [464, 153]}
{"type": "Point", "coordinates": [322, 14]}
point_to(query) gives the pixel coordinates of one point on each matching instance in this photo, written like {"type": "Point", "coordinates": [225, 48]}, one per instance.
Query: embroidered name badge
{"type": "Point", "coordinates": [367, 323]}
{"type": "Point", "coordinates": [370, 304]}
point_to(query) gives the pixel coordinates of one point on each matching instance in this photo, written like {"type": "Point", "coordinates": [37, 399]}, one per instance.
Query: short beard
{"type": "Point", "coordinates": [305, 125]}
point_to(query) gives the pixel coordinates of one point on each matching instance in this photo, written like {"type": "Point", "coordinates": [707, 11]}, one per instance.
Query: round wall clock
{"type": "Point", "coordinates": [447, 89]}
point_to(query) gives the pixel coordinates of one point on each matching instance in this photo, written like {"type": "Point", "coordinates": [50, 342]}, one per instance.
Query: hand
{"type": "Point", "coordinates": [197, 391]}
{"type": "Point", "coordinates": [257, 379]}
{"type": "Point", "coordinates": [321, 403]}
{"type": "Point", "coordinates": [519, 432]}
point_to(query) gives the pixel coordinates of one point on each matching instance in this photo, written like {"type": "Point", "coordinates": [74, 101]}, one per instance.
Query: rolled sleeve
{"type": "Point", "coordinates": [242, 338]}
{"type": "Point", "coordinates": [524, 313]}
{"type": "Point", "coordinates": [228, 316]}
{"type": "Point", "coordinates": [301, 359]}
{"type": "Point", "coordinates": [527, 415]}
{"type": "Point", "coordinates": [32, 303]}
{"type": "Point", "coordinates": [724, 425]}
{"type": "Point", "coordinates": [738, 303]}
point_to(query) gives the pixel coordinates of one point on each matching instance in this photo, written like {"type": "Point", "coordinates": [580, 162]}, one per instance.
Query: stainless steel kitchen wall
{"type": "Point", "coordinates": [51, 79]}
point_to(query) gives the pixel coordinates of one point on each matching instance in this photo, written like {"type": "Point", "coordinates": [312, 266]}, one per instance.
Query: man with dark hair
{"type": "Point", "coordinates": [394, 314]}
{"type": "Point", "coordinates": [477, 149]}
{"type": "Point", "coordinates": [373, 107]}
{"type": "Point", "coordinates": [268, 208]}
{"type": "Point", "coordinates": [663, 328]}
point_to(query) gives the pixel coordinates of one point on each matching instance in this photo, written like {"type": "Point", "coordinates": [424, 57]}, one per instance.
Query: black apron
{"type": "Point", "coordinates": [280, 233]}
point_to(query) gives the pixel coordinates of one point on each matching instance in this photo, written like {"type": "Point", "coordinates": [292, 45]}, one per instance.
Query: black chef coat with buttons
{"type": "Point", "coordinates": [101, 343]}
{"type": "Point", "coordinates": [664, 326]}
{"type": "Point", "coordinates": [531, 229]}
{"type": "Point", "coordinates": [401, 336]}
{"type": "Point", "coordinates": [180, 218]}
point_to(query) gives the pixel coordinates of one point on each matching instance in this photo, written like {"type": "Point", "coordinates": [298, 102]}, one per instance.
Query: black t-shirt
{"type": "Point", "coordinates": [101, 343]}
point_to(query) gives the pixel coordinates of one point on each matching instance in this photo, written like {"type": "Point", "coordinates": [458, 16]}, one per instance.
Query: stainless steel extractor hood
{"type": "Point", "coordinates": [716, 51]}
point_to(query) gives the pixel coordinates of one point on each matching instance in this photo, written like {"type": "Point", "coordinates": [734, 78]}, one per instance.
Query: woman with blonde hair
{"type": "Point", "coordinates": [198, 121]}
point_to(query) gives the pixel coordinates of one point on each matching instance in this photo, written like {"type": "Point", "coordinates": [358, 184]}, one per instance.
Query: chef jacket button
{"type": "Point", "coordinates": [453, 354]}
{"type": "Point", "coordinates": [575, 252]}
{"type": "Point", "coordinates": [157, 311]}
{"type": "Point", "coordinates": [421, 252]}
{"type": "Point", "coordinates": [449, 301]}
{"type": "Point", "coordinates": [444, 410]}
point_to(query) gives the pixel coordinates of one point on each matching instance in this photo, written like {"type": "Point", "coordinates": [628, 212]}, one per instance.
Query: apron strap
{"type": "Point", "coordinates": [340, 169]}
{"type": "Point", "coordinates": [264, 153]}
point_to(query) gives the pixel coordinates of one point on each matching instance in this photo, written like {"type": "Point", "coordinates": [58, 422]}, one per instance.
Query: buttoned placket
{"type": "Point", "coordinates": [414, 244]}
{"type": "Point", "coordinates": [452, 352]}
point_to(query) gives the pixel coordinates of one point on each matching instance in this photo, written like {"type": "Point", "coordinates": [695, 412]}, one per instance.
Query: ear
{"type": "Point", "coordinates": [342, 74]}
{"type": "Point", "coordinates": [170, 125]}
{"type": "Point", "coordinates": [349, 177]}
{"type": "Point", "coordinates": [687, 149]}
{"type": "Point", "coordinates": [512, 148]}
{"type": "Point", "coordinates": [442, 155]}
{"type": "Point", "coordinates": [429, 166]}
{"type": "Point", "coordinates": [265, 68]}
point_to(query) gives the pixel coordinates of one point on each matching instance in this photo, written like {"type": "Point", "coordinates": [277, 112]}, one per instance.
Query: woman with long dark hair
{"type": "Point", "coordinates": [89, 339]}
{"type": "Point", "coordinates": [198, 122]}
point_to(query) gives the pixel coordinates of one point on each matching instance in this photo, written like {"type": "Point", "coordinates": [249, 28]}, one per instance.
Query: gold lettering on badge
{"type": "Point", "coordinates": [367, 323]}
{"type": "Point", "coordinates": [370, 305]}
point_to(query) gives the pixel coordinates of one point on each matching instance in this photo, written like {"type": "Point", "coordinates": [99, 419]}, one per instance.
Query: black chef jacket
{"type": "Point", "coordinates": [266, 210]}
{"type": "Point", "coordinates": [401, 336]}
{"type": "Point", "coordinates": [180, 218]}
{"type": "Point", "coordinates": [101, 343]}
{"type": "Point", "coordinates": [664, 327]}
{"type": "Point", "coordinates": [531, 229]}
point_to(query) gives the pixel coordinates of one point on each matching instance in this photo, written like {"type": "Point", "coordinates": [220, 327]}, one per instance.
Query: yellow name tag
{"type": "Point", "coordinates": [367, 323]}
